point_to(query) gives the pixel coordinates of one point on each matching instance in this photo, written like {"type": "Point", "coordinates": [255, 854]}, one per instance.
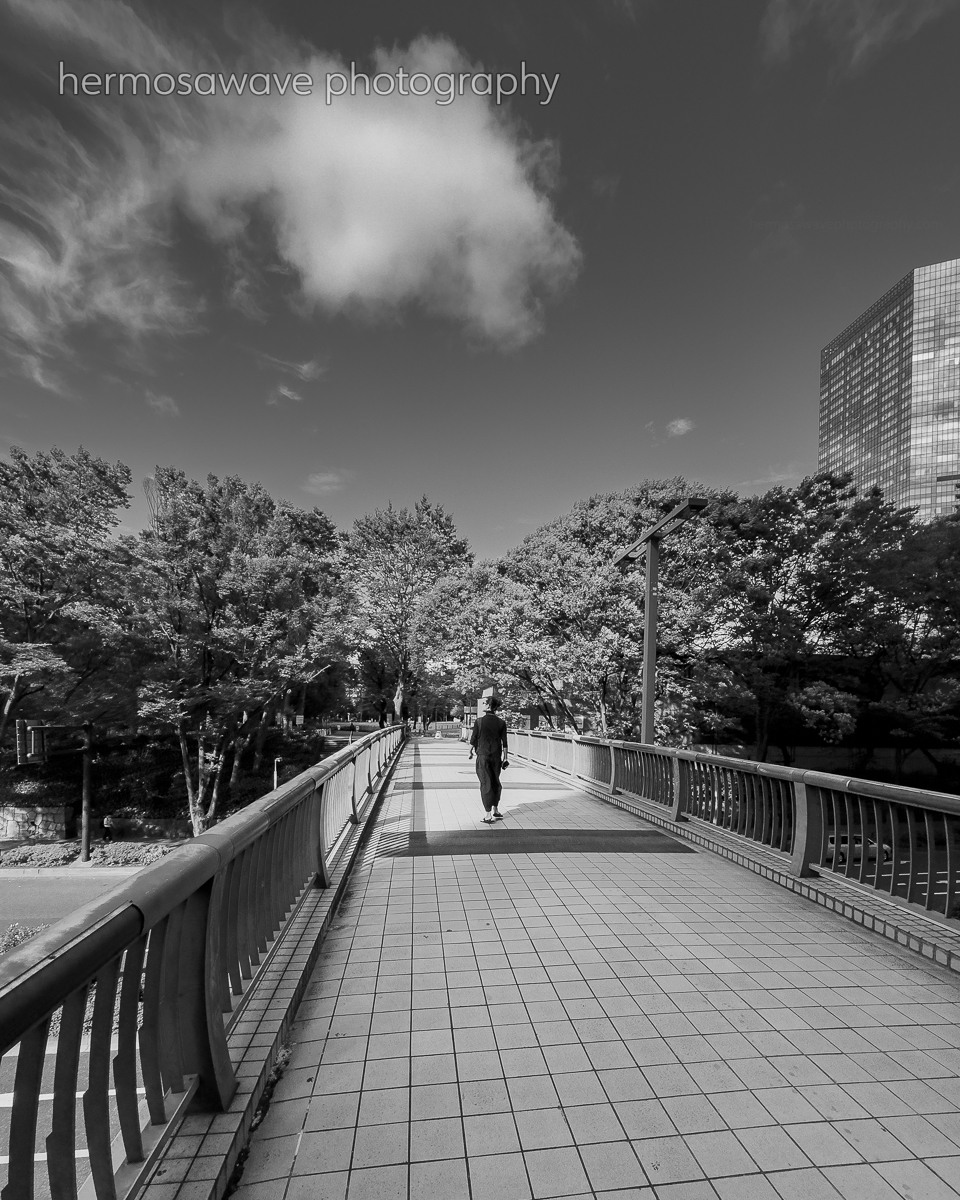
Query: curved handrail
{"type": "Point", "coordinates": [167, 954]}
{"type": "Point", "coordinates": [900, 840]}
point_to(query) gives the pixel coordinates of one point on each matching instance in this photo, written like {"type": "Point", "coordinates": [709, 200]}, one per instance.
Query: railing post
{"type": "Point", "coordinates": [353, 796]}
{"type": "Point", "coordinates": [807, 828]}
{"type": "Point", "coordinates": [613, 769]}
{"type": "Point", "coordinates": [681, 790]}
{"type": "Point", "coordinates": [322, 879]}
{"type": "Point", "coordinates": [199, 1020]}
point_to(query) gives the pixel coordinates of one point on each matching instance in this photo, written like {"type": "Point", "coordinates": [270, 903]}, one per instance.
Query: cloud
{"type": "Point", "coordinates": [322, 483]}
{"type": "Point", "coordinates": [857, 29]}
{"type": "Point", "coordinates": [307, 371]}
{"type": "Point", "coordinates": [280, 393]}
{"type": "Point", "coordinates": [780, 474]}
{"type": "Point", "coordinates": [679, 426]}
{"type": "Point", "coordinates": [369, 204]}
{"type": "Point", "coordinates": [163, 406]}
{"type": "Point", "coordinates": [606, 185]}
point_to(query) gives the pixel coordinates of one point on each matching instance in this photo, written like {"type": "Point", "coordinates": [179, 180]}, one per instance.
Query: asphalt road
{"type": "Point", "coordinates": [35, 900]}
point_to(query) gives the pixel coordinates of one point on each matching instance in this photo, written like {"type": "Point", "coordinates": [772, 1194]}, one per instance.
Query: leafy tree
{"type": "Point", "coordinates": [556, 625]}
{"type": "Point", "coordinates": [62, 637]}
{"type": "Point", "coordinates": [903, 628]}
{"type": "Point", "coordinates": [792, 573]}
{"type": "Point", "coordinates": [237, 598]}
{"type": "Point", "coordinates": [392, 558]}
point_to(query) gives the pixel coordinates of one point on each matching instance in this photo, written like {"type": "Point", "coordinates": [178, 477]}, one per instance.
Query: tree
{"type": "Point", "coordinates": [392, 559]}
{"type": "Point", "coordinates": [62, 633]}
{"type": "Point", "coordinates": [903, 628]}
{"type": "Point", "coordinates": [237, 598]}
{"type": "Point", "coordinates": [561, 629]}
{"type": "Point", "coordinates": [792, 583]}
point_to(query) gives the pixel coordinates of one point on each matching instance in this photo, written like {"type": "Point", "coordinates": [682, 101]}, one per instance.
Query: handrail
{"type": "Point", "coordinates": [902, 841]}
{"type": "Point", "coordinates": [158, 970]}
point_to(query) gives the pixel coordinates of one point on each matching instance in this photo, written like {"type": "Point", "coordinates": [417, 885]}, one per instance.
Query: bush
{"type": "Point", "coordinates": [16, 934]}
{"type": "Point", "coordinates": [127, 854]}
{"type": "Point", "coordinates": [41, 854]}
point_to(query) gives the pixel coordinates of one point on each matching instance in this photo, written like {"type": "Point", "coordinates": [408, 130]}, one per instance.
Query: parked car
{"type": "Point", "coordinates": [873, 849]}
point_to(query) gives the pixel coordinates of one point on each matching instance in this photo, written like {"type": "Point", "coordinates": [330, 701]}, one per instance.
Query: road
{"type": "Point", "coordinates": [41, 900]}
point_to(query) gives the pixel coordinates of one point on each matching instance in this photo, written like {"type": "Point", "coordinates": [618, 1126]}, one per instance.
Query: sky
{"type": "Point", "coordinates": [505, 303]}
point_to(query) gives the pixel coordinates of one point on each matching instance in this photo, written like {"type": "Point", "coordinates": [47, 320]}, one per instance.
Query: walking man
{"type": "Point", "coordinates": [489, 742]}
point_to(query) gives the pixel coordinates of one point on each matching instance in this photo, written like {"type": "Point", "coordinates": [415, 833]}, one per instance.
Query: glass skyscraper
{"type": "Point", "coordinates": [890, 394]}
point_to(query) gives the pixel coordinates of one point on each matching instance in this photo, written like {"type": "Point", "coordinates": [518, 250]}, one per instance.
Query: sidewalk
{"type": "Point", "coordinates": [521, 1011]}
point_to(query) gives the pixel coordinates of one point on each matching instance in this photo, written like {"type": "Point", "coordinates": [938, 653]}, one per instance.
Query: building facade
{"type": "Point", "coordinates": [890, 394]}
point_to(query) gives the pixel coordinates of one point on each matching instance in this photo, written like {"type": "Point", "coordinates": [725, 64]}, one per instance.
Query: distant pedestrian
{"type": "Point", "coordinates": [108, 828]}
{"type": "Point", "coordinates": [489, 742]}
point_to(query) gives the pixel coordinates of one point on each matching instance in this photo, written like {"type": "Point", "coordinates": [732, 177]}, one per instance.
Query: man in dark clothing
{"type": "Point", "coordinates": [489, 742]}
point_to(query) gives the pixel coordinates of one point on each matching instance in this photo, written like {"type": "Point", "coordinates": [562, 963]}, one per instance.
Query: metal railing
{"type": "Point", "coordinates": [143, 985]}
{"type": "Point", "coordinates": [901, 841]}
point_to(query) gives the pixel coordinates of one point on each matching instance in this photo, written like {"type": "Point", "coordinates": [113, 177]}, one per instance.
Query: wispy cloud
{"type": "Point", "coordinates": [280, 393]}
{"type": "Point", "coordinates": [370, 203]}
{"type": "Point", "coordinates": [163, 406]}
{"type": "Point", "coordinates": [787, 473]}
{"type": "Point", "coordinates": [679, 426]}
{"type": "Point", "coordinates": [857, 29]}
{"type": "Point", "coordinates": [307, 371]}
{"type": "Point", "coordinates": [322, 483]}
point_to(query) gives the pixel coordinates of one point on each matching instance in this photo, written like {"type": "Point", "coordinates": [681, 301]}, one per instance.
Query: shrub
{"type": "Point", "coordinates": [41, 854]}
{"type": "Point", "coordinates": [127, 854]}
{"type": "Point", "coordinates": [17, 933]}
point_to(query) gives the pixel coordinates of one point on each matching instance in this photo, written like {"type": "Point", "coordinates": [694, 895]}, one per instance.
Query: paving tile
{"type": "Point", "coordinates": [556, 1172]}
{"type": "Point", "coordinates": [667, 1160]}
{"type": "Point", "coordinates": [379, 1145]}
{"type": "Point", "coordinates": [914, 1180]}
{"type": "Point", "coordinates": [719, 1154]}
{"type": "Point", "coordinates": [325, 1150]}
{"type": "Point", "coordinates": [693, 1114]}
{"type": "Point", "coordinates": [594, 1123]}
{"type": "Point", "coordinates": [497, 1176]}
{"type": "Point", "coordinates": [862, 1182]}
{"type": "Point", "coordinates": [329, 1186]}
{"type": "Point", "coordinates": [491, 1133]}
{"type": "Point", "coordinates": [920, 1137]}
{"type": "Point", "coordinates": [378, 1183]}
{"type": "Point", "coordinates": [442, 1138]}
{"type": "Point", "coordinates": [487, 1096]}
{"type": "Point", "coordinates": [446, 1179]}
{"type": "Point", "coordinates": [612, 1165]}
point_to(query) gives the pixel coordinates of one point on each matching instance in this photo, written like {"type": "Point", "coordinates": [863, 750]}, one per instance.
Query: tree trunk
{"type": "Point", "coordinates": [262, 731]}
{"type": "Point", "coordinates": [239, 746]}
{"type": "Point", "coordinates": [216, 777]}
{"type": "Point", "coordinates": [194, 811]}
{"type": "Point", "coordinates": [8, 707]}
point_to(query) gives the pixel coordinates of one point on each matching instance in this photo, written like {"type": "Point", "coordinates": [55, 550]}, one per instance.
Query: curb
{"type": "Point", "coordinates": [78, 872]}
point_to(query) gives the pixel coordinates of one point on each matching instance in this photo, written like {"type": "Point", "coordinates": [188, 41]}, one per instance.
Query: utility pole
{"type": "Point", "coordinates": [649, 543]}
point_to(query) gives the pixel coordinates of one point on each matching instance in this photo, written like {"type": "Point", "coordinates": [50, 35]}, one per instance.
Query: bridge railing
{"type": "Point", "coordinates": [901, 841]}
{"type": "Point", "coordinates": [128, 1002]}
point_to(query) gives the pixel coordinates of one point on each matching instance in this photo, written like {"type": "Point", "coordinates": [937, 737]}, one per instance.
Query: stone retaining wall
{"type": "Point", "coordinates": [43, 822]}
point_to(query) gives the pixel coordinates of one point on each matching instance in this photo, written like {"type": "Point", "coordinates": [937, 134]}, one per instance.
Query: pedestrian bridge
{"type": "Point", "coordinates": [661, 976]}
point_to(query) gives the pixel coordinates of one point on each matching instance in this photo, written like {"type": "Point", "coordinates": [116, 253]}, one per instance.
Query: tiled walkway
{"type": "Point", "coordinates": [579, 1024]}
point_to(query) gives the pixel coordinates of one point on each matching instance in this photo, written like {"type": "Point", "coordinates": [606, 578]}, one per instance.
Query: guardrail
{"type": "Point", "coordinates": [901, 841]}
{"type": "Point", "coordinates": [149, 980]}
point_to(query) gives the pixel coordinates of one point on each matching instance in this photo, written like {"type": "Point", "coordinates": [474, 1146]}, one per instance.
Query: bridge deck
{"type": "Point", "coordinates": [556, 1019]}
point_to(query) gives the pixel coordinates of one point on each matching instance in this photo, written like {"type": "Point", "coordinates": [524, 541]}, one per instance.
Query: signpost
{"type": "Point", "coordinates": [33, 749]}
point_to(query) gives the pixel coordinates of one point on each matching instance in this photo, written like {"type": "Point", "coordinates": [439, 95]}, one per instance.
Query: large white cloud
{"type": "Point", "coordinates": [371, 202]}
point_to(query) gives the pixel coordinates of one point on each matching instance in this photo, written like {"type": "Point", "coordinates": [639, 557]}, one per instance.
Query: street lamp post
{"type": "Point", "coordinates": [649, 543]}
